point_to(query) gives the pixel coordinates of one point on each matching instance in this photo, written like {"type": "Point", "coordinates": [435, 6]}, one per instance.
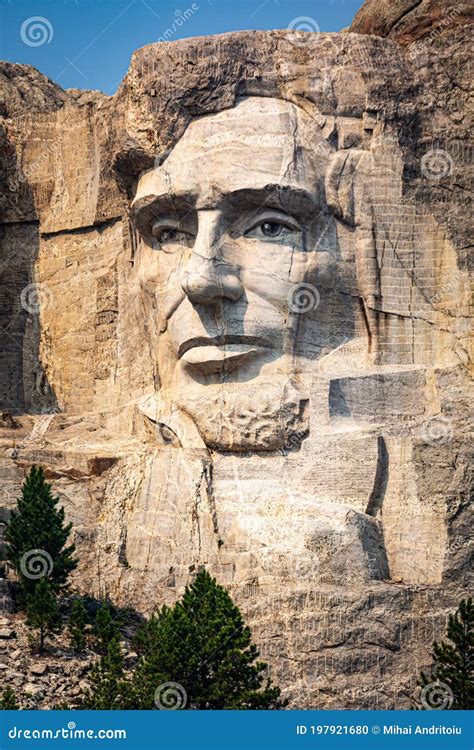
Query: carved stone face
{"type": "Point", "coordinates": [238, 253]}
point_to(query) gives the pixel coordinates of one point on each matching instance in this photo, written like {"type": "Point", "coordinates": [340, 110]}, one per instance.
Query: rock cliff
{"type": "Point", "coordinates": [328, 485]}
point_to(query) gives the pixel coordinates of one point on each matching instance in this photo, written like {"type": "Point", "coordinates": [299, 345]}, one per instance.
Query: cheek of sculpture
{"type": "Point", "coordinates": [268, 270]}
{"type": "Point", "coordinates": [322, 270]}
{"type": "Point", "coordinates": [160, 281]}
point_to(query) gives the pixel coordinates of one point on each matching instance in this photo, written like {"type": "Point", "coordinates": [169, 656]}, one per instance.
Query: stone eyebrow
{"type": "Point", "coordinates": [292, 199]}
{"type": "Point", "coordinates": [164, 203]}
{"type": "Point", "coordinates": [145, 209]}
{"type": "Point", "coordinates": [289, 198]}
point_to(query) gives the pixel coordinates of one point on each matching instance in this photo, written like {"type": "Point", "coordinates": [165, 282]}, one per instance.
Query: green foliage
{"type": "Point", "coordinates": [76, 623]}
{"type": "Point", "coordinates": [105, 627]}
{"type": "Point", "coordinates": [37, 526]}
{"type": "Point", "coordinates": [106, 680]}
{"type": "Point", "coordinates": [202, 646]}
{"type": "Point", "coordinates": [453, 663]}
{"type": "Point", "coordinates": [42, 612]}
{"type": "Point", "coordinates": [8, 700]}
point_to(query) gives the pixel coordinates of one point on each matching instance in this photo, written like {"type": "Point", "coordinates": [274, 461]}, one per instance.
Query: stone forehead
{"type": "Point", "coordinates": [249, 114]}
{"type": "Point", "coordinates": [260, 141]}
{"type": "Point", "coordinates": [262, 125]}
{"type": "Point", "coordinates": [167, 85]}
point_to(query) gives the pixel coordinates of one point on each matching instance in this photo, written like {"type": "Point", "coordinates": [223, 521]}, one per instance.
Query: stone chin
{"type": "Point", "coordinates": [265, 416]}
{"type": "Point", "coordinates": [249, 417]}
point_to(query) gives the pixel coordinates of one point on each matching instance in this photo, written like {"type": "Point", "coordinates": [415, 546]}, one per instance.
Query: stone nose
{"type": "Point", "coordinates": [206, 283]}
{"type": "Point", "coordinates": [206, 277]}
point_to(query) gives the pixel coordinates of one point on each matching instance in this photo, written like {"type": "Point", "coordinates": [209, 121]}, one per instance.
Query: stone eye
{"type": "Point", "coordinates": [169, 235]}
{"type": "Point", "coordinates": [272, 229]}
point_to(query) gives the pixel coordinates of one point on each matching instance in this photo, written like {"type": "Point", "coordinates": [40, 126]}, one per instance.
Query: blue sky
{"type": "Point", "coordinates": [88, 43]}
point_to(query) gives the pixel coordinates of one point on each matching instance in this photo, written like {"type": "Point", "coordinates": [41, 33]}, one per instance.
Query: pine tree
{"type": "Point", "coordinates": [8, 700]}
{"type": "Point", "coordinates": [106, 680]}
{"type": "Point", "coordinates": [76, 624]}
{"type": "Point", "coordinates": [453, 666]}
{"type": "Point", "coordinates": [202, 647]}
{"type": "Point", "coordinates": [42, 612]}
{"type": "Point", "coordinates": [36, 536]}
{"type": "Point", "coordinates": [105, 628]}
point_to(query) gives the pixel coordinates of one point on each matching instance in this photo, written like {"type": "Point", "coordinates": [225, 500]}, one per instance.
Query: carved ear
{"type": "Point", "coordinates": [340, 183]}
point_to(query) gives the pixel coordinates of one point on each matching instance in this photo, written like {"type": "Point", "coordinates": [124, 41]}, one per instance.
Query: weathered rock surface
{"type": "Point", "coordinates": [407, 21]}
{"type": "Point", "coordinates": [43, 682]}
{"type": "Point", "coordinates": [325, 477]}
{"type": "Point", "coordinates": [25, 90]}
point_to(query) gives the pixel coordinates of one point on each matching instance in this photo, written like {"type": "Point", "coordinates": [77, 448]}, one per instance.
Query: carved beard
{"type": "Point", "coordinates": [267, 416]}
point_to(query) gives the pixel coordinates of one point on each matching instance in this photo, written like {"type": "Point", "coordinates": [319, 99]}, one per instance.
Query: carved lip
{"type": "Point", "coordinates": [245, 341]}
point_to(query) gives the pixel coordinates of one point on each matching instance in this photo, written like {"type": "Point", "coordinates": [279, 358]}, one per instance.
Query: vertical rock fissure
{"type": "Point", "coordinates": [374, 506]}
